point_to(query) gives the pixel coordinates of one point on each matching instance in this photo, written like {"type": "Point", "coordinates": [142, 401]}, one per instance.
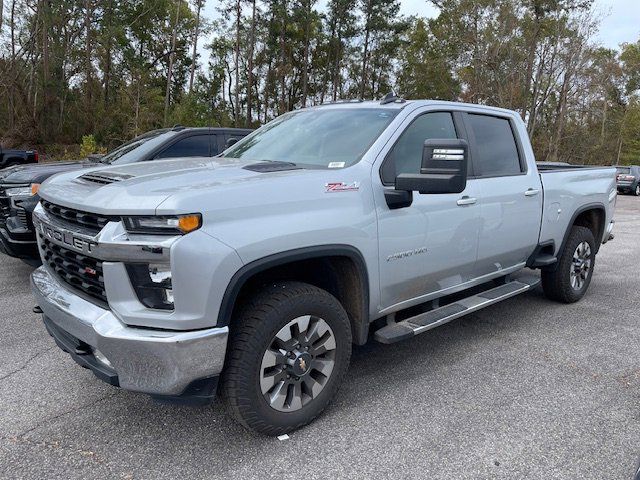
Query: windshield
{"type": "Point", "coordinates": [623, 170]}
{"type": "Point", "coordinates": [134, 149]}
{"type": "Point", "coordinates": [325, 138]}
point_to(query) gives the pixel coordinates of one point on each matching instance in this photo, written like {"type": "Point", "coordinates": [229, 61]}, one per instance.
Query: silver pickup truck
{"type": "Point", "coordinates": [254, 273]}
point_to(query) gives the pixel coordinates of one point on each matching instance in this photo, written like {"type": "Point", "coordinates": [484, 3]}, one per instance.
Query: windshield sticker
{"type": "Point", "coordinates": [341, 187]}
{"type": "Point", "coordinates": [336, 164]}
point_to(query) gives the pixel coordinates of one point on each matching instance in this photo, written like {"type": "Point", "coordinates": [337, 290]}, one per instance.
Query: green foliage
{"type": "Point", "coordinates": [88, 146]}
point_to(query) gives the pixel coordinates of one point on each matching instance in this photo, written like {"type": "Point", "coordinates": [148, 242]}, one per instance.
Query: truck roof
{"type": "Point", "coordinates": [401, 103]}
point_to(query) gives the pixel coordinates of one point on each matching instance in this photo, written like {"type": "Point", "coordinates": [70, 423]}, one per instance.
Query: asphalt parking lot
{"type": "Point", "coordinates": [524, 389]}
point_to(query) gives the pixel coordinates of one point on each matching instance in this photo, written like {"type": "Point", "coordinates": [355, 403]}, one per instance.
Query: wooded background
{"type": "Point", "coordinates": [115, 68]}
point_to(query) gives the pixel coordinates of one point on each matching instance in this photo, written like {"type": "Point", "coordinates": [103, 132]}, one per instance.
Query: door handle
{"type": "Point", "coordinates": [466, 201]}
{"type": "Point", "coordinates": [532, 192]}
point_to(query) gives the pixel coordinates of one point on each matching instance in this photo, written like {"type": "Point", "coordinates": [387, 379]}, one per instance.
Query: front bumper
{"type": "Point", "coordinates": [23, 246]}
{"type": "Point", "coordinates": [168, 364]}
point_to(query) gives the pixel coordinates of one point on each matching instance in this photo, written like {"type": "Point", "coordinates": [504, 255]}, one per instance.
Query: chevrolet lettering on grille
{"type": "Point", "coordinates": [67, 238]}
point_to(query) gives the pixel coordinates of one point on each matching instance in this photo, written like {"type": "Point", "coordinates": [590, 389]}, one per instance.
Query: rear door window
{"type": "Point", "coordinates": [496, 151]}
{"type": "Point", "coordinates": [193, 146]}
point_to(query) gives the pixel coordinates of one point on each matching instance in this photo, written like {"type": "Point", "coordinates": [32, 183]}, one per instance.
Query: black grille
{"type": "Point", "coordinates": [79, 271]}
{"type": "Point", "coordinates": [92, 221]}
{"type": "Point", "coordinates": [21, 213]}
{"type": "Point", "coordinates": [5, 205]}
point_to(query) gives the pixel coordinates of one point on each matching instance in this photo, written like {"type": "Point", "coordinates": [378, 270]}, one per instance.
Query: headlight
{"type": "Point", "coordinates": [152, 283]}
{"type": "Point", "coordinates": [27, 191]}
{"type": "Point", "coordinates": [162, 224]}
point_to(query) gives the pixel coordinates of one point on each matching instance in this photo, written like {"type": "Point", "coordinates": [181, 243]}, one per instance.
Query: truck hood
{"type": "Point", "coordinates": [139, 188]}
{"type": "Point", "coordinates": [38, 172]}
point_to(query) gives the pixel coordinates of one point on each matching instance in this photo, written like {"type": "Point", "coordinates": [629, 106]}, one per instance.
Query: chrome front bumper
{"type": "Point", "coordinates": [157, 362]}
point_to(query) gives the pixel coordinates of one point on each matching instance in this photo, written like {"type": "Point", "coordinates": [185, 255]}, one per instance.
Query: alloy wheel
{"type": "Point", "coordinates": [297, 363]}
{"type": "Point", "coordinates": [580, 266]}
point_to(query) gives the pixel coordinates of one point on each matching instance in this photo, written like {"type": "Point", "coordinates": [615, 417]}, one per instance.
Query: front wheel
{"type": "Point", "coordinates": [570, 279]}
{"type": "Point", "coordinates": [289, 349]}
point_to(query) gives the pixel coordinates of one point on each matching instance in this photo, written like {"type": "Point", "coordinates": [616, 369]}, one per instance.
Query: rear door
{"type": "Point", "coordinates": [510, 193]}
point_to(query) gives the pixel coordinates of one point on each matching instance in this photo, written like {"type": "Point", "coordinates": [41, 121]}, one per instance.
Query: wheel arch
{"type": "Point", "coordinates": [592, 216]}
{"type": "Point", "coordinates": [339, 269]}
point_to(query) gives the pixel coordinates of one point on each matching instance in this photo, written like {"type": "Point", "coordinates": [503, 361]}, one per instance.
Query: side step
{"type": "Point", "coordinates": [434, 318]}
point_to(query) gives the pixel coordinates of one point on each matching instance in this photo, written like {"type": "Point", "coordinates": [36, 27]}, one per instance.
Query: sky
{"type": "Point", "coordinates": [620, 19]}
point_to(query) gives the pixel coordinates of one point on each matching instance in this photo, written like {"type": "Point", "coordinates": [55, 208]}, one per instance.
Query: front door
{"type": "Point", "coordinates": [431, 245]}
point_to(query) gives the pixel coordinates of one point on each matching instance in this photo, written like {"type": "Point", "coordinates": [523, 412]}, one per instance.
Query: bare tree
{"type": "Point", "coordinates": [196, 31]}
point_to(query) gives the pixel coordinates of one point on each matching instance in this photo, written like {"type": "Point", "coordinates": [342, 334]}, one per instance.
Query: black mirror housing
{"type": "Point", "coordinates": [443, 170]}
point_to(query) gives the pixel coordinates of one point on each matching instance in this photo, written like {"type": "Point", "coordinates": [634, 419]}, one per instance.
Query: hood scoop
{"type": "Point", "coordinates": [266, 167]}
{"type": "Point", "coordinates": [104, 178]}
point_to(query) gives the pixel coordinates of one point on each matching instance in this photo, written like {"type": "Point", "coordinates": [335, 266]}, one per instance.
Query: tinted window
{"type": "Point", "coordinates": [194, 146]}
{"type": "Point", "coordinates": [496, 150]}
{"type": "Point", "coordinates": [214, 148]}
{"type": "Point", "coordinates": [406, 154]}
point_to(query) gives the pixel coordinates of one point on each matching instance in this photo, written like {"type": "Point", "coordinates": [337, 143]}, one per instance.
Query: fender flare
{"type": "Point", "coordinates": [576, 214]}
{"type": "Point", "coordinates": [240, 278]}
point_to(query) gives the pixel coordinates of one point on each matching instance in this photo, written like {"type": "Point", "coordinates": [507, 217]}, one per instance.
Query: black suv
{"type": "Point", "coordinates": [628, 179]}
{"type": "Point", "coordinates": [19, 185]}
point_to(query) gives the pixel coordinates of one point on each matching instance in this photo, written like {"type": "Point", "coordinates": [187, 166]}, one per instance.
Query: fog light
{"type": "Point", "coordinates": [152, 283]}
{"type": "Point", "coordinates": [101, 358]}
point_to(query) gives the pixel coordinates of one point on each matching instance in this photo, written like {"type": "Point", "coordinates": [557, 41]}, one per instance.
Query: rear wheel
{"type": "Point", "coordinates": [637, 190]}
{"type": "Point", "coordinates": [570, 279]}
{"type": "Point", "coordinates": [290, 348]}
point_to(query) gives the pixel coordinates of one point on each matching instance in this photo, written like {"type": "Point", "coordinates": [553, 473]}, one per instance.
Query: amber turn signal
{"type": "Point", "coordinates": [189, 223]}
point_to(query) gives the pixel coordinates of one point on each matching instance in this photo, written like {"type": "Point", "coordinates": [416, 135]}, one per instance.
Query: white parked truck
{"type": "Point", "coordinates": [252, 274]}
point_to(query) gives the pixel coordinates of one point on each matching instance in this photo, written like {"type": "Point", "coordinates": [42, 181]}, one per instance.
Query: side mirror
{"type": "Point", "coordinates": [231, 141]}
{"type": "Point", "coordinates": [443, 170]}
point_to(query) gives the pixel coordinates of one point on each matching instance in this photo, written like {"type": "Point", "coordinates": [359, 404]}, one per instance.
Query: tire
{"type": "Point", "coordinates": [636, 191]}
{"type": "Point", "coordinates": [273, 394]}
{"type": "Point", "coordinates": [569, 281]}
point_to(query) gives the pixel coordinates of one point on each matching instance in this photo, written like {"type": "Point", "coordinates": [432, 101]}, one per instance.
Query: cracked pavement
{"type": "Point", "coordinates": [524, 389]}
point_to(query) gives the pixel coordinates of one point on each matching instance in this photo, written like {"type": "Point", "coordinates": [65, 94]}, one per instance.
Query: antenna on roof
{"type": "Point", "coordinates": [391, 97]}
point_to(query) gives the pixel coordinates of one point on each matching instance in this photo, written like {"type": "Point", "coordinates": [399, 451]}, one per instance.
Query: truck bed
{"type": "Point", "coordinates": [570, 189]}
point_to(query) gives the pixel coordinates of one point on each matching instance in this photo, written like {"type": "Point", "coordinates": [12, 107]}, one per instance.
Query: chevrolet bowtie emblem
{"type": "Point", "coordinates": [302, 364]}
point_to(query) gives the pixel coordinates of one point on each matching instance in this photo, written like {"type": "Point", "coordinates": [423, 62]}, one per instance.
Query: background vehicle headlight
{"type": "Point", "coordinates": [26, 191]}
{"type": "Point", "coordinates": [152, 283]}
{"type": "Point", "coordinates": [163, 224]}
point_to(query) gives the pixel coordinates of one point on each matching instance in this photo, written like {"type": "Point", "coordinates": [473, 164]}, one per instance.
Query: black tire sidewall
{"type": "Point", "coordinates": [265, 325]}
{"type": "Point", "coordinates": [577, 236]}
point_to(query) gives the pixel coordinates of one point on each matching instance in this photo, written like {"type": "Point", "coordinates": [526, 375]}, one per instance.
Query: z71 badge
{"type": "Point", "coordinates": [341, 187]}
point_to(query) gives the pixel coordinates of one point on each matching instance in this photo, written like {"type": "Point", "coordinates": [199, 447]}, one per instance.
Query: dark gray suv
{"type": "Point", "coordinates": [628, 179]}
